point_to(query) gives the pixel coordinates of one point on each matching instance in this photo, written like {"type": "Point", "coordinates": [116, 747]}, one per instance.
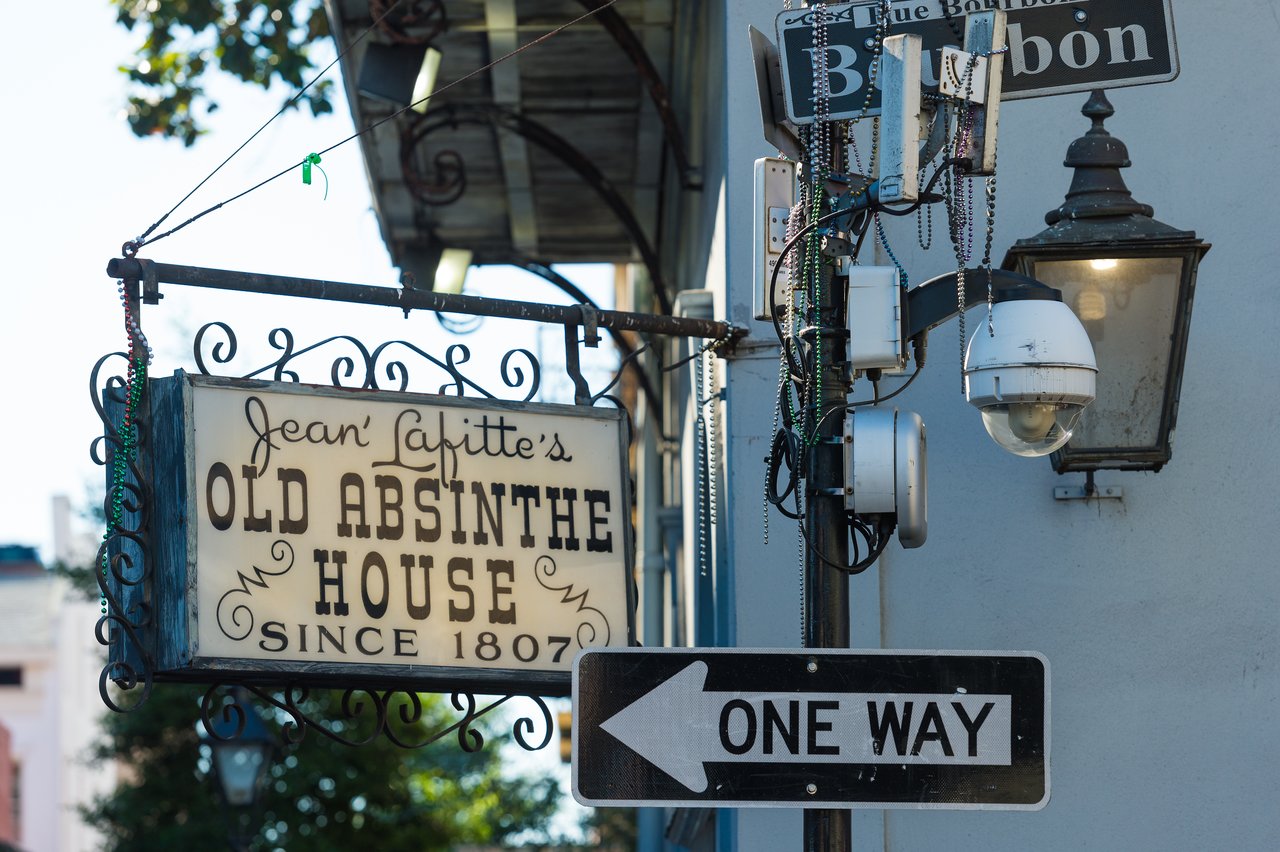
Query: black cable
{"type": "Point", "coordinates": [705, 347]}
{"type": "Point", "coordinates": [884, 531]}
{"type": "Point", "coordinates": [923, 197]}
{"type": "Point", "coordinates": [882, 541]}
{"type": "Point", "coordinates": [865, 402]}
{"type": "Point", "coordinates": [783, 449]}
{"type": "Point", "coordinates": [784, 408]}
{"type": "Point", "coordinates": [135, 245]}
{"type": "Point", "coordinates": [139, 242]}
{"type": "Point", "coordinates": [871, 204]}
{"type": "Point", "coordinates": [899, 389]}
{"type": "Point", "coordinates": [628, 358]}
{"type": "Point", "coordinates": [790, 347]}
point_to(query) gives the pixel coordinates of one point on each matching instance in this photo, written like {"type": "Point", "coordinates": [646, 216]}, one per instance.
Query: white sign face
{"type": "Point", "coordinates": [380, 529]}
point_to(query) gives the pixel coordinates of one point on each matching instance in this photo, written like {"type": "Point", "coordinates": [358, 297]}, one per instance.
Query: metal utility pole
{"type": "Point", "coordinates": [826, 586]}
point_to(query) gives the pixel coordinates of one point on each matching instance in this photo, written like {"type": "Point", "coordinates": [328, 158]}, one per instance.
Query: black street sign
{"type": "Point", "coordinates": [1055, 47]}
{"type": "Point", "coordinates": [795, 728]}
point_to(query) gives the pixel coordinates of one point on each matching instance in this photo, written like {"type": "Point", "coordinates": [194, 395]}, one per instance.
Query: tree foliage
{"type": "Point", "coordinates": [256, 41]}
{"type": "Point", "coordinates": [320, 795]}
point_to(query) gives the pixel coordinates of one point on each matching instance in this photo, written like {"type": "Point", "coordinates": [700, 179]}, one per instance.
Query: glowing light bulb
{"type": "Point", "coordinates": [1103, 264]}
{"type": "Point", "coordinates": [1091, 305]}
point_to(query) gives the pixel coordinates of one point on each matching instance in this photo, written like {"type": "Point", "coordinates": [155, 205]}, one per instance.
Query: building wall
{"type": "Point", "coordinates": [1158, 613]}
{"type": "Point", "coordinates": [8, 779]}
{"type": "Point", "coordinates": [52, 716]}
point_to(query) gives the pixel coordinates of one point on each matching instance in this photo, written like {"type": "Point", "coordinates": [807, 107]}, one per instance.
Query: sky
{"type": "Point", "coordinates": [78, 184]}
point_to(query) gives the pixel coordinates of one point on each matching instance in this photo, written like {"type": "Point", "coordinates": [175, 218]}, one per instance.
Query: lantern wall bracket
{"type": "Point", "coordinates": [1088, 490]}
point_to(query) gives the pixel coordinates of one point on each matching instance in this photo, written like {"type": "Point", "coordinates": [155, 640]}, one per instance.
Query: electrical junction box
{"type": "Point", "coordinates": [775, 195]}
{"type": "Point", "coordinates": [875, 319]}
{"type": "Point", "coordinates": [884, 469]}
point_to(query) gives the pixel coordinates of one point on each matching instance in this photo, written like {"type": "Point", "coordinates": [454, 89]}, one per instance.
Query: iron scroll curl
{"type": "Point", "coordinates": [386, 366]}
{"type": "Point", "coordinates": [123, 563]}
{"type": "Point", "coordinates": [358, 716]}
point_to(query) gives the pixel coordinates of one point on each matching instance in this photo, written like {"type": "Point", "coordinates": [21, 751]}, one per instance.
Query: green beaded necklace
{"type": "Point", "coordinates": [136, 379]}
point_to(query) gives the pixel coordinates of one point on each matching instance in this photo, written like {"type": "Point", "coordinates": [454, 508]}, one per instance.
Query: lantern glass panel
{"type": "Point", "coordinates": [239, 767]}
{"type": "Point", "coordinates": [1128, 307]}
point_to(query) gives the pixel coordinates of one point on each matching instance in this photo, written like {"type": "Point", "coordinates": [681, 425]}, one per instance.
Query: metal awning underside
{"type": "Point", "coordinates": [547, 155]}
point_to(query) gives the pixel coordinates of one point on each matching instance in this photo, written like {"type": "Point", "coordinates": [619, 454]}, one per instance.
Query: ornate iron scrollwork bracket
{"type": "Point", "coordinates": [123, 563]}
{"type": "Point", "coordinates": [384, 367]}
{"type": "Point", "coordinates": [365, 714]}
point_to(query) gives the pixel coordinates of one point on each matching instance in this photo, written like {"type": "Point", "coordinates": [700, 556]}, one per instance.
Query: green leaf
{"type": "Point", "coordinates": [320, 795]}
{"type": "Point", "coordinates": [184, 40]}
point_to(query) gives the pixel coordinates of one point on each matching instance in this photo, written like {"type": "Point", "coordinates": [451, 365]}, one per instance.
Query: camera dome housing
{"type": "Point", "coordinates": [1033, 377]}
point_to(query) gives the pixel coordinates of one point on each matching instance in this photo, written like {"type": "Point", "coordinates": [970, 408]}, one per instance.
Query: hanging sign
{"type": "Point", "coordinates": [1054, 47]}
{"type": "Point", "coordinates": [325, 533]}
{"type": "Point", "coordinates": [703, 727]}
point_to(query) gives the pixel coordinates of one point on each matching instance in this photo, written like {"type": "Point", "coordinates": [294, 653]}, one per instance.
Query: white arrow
{"type": "Point", "coordinates": [652, 726]}
{"type": "Point", "coordinates": [679, 727]}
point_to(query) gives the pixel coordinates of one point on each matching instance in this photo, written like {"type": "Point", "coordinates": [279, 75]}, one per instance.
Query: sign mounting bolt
{"type": "Point", "coordinates": [811, 788]}
{"type": "Point", "coordinates": [1080, 15]}
{"type": "Point", "coordinates": [811, 666]}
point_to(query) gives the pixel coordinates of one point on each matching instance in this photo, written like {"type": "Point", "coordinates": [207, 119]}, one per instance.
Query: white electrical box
{"type": "Point", "coordinates": [875, 319]}
{"type": "Point", "coordinates": [775, 195]}
{"type": "Point", "coordinates": [884, 470]}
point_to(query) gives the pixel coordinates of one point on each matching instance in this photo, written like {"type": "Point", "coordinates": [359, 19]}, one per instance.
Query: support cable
{"type": "Point", "coordinates": [142, 240]}
{"type": "Point", "coordinates": [131, 248]}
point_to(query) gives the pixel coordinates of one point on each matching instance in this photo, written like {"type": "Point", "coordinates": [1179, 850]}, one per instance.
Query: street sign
{"type": "Point", "coordinates": [1055, 47]}
{"type": "Point", "coordinates": [322, 534]}
{"type": "Point", "coordinates": [807, 728]}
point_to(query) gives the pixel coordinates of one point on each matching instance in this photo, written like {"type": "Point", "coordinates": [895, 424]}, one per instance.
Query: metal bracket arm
{"type": "Point", "coordinates": [934, 302]}
{"type": "Point", "coordinates": [395, 297]}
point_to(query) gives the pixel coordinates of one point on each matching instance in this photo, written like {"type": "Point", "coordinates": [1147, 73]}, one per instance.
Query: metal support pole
{"type": "Point", "coordinates": [409, 299]}
{"type": "Point", "coordinates": [826, 587]}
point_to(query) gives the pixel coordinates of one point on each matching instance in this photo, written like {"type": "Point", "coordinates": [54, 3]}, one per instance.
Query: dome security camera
{"type": "Point", "coordinates": [1035, 375]}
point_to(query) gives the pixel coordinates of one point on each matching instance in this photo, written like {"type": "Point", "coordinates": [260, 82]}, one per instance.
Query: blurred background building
{"type": "Point", "coordinates": [49, 704]}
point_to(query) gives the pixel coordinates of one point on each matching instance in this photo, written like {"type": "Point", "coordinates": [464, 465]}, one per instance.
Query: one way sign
{"type": "Point", "coordinates": [877, 729]}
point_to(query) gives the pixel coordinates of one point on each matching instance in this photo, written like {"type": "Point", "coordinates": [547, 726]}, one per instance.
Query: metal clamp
{"type": "Point", "coordinates": [590, 325]}
{"type": "Point", "coordinates": [151, 294]}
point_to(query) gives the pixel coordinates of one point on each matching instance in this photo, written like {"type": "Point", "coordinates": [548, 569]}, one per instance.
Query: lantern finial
{"type": "Point", "coordinates": [1097, 189]}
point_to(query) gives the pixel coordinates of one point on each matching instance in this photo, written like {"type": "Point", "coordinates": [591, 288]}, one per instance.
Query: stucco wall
{"type": "Point", "coordinates": [52, 716]}
{"type": "Point", "coordinates": [1160, 614]}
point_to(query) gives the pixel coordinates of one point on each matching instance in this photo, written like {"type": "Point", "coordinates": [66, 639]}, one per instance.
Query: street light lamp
{"type": "Point", "coordinates": [402, 74]}
{"type": "Point", "coordinates": [241, 755]}
{"type": "Point", "coordinates": [1131, 281]}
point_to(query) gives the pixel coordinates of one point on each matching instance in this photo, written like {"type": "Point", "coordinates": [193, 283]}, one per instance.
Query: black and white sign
{"type": "Point", "coordinates": [1055, 47]}
{"type": "Point", "coordinates": [323, 532]}
{"type": "Point", "coordinates": [874, 729]}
